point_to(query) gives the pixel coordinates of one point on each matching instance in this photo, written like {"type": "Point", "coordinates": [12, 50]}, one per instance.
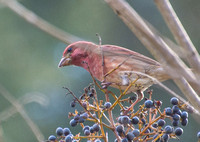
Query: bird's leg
{"type": "Point", "coordinates": [140, 96]}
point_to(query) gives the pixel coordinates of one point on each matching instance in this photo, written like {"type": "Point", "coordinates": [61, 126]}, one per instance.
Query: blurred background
{"type": "Point", "coordinates": [29, 57]}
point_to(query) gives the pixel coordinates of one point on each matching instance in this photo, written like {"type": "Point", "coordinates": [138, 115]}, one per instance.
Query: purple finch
{"type": "Point", "coordinates": [115, 65]}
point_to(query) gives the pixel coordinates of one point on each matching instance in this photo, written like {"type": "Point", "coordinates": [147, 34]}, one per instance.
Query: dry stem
{"type": "Point", "coordinates": [158, 47]}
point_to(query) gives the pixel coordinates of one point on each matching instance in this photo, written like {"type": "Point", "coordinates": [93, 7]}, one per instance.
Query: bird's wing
{"type": "Point", "coordinates": [132, 57]}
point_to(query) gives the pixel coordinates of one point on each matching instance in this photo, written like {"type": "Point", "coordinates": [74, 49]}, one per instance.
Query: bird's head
{"type": "Point", "coordinates": [76, 53]}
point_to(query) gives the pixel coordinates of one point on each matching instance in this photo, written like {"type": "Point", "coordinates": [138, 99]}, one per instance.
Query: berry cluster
{"type": "Point", "coordinates": [63, 135]}
{"type": "Point", "coordinates": [144, 125]}
{"type": "Point", "coordinates": [147, 123]}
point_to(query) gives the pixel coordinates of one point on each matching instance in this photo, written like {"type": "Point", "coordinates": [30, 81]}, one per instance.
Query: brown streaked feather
{"type": "Point", "coordinates": [112, 50]}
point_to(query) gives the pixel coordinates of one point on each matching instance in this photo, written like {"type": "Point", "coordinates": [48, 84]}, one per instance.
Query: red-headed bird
{"type": "Point", "coordinates": [124, 65]}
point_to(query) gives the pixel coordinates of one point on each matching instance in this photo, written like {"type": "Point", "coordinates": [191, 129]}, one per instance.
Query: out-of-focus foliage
{"type": "Point", "coordinates": [29, 57]}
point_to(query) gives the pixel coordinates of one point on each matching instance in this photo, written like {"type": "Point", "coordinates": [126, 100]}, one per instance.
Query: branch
{"type": "Point", "coordinates": [20, 109]}
{"type": "Point", "coordinates": [157, 46]}
{"type": "Point", "coordinates": [35, 20]}
{"type": "Point", "coordinates": [154, 43]}
{"type": "Point", "coordinates": [179, 34]}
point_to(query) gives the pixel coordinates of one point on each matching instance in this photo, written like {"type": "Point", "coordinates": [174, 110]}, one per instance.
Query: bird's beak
{"type": "Point", "coordinates": [64, 61]}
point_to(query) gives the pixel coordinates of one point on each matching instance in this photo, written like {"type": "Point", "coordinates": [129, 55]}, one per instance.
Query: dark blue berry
{"type": "Point", "coordinates": [120, 119]}
{"type": "Point", "coordinates": [147, 131]}
{"type": "Point", "coordinates": [59, 131]}
{"type": "Point", "coordinates": [119, 128]}
{"type": "Point", "coordinates": [97, 140]}
{"type": "Point", "coordinates": [125, 120]}
{"type": "Point", "coordinates": [168, 129]}
{"type": "Point", "coordinates": [161, 122]}
{"type": "Point", "coordinates": [184, 122]}
{"type": "Point", "coordinates": [130, 136]}
{"type": "Point", "coordinates": [155, 137]}
{"type": "Point", "coordinates": [81, 120]}
{"type": "Point", "coordinates": [175, 109]}
{"type": "Point", "coordinates": [84, 115]}
{"type": "Point", "coordinates": [91, 94]}
{"type": "Point", "coordinates": [52, 138]}
{"type": "Point", "coordinates": [175, 123]}
{"type": "Point", "coordinates": [174, 101]}
{"type": "Point", "coordinates": [184, 115]}
{"type": "Point", "coordinates": [73, 104]}
{"type": "Point", "coordinates": [135, 120]}
{"type": "Point", "coordinates": [168, 111]}
{"type": "Point", "coordinates": [155, 125]}
{"type": "Point", "coordinates": [76, 117]}
{"type": "Point", "coordinates": [73, 122]}
{"type": "Point", "coordinates": [91, 130]}
{"type": "Point", "coordinates": [124, 140]}
{"type": "Point", "coordinates": [143, 121]}
{"type": "Point", "coordinates": [198, 135]}
{"type": "Point", "coordinates": [107, 105]}
{"type": "Point", "coordinates": [87, 132]}
{"type": "Point", "coordinates": [96, 127]}
{"type": "Point", "coordinates": [165, 137]}
{"type": "Point", "coordinates": [148, 103]}
{"type": "Point", "coordinates": [178, 131]}
{"type": "Point", "coordinates": [176, 117]}
{"type": "Point", "coordinates": [66, 131]}
{"type": "Point", "coordinates": [68, 138]}
{"type": "Point", "coordinates": [86, 128]}
{"type": "Point", "coordinates": [179, 112]}
{"type": "Point", "coordinates": [136, 132]}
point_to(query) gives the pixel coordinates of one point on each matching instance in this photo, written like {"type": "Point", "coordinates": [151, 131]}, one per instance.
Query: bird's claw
{"type": "Point", "coordinates": [105, 85]}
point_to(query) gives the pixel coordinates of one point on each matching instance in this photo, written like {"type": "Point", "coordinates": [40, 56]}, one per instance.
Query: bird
{"type": "Point", "coordinates": [116, 66]}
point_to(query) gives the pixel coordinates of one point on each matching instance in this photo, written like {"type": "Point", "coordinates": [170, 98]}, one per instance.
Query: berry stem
{"type": "Point", "coordinates": [124, 93]}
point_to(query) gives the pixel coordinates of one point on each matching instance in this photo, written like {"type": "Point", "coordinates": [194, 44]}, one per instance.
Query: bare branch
{"type": "Point", "coordinates": [20, 109]}
{"type": "Point", "coordinates": [35, 20]}
{"type": "Point", "coordinates": [179, 34]}
{"type": "Point", "coordinates": [156, 45]}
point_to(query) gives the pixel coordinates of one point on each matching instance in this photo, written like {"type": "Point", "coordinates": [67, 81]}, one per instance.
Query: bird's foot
{"type": "Point", "coordinates": [105, 85]}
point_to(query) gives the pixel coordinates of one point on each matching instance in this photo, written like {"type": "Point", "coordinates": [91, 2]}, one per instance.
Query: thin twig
{"type": "Point", "coordinates": [35, 20]}
{"type": "Point", "coordinates": [28, 98]}
{"type": "Point", "coordinates": [20, 109]}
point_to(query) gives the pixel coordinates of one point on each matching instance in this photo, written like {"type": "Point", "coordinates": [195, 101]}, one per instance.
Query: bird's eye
{"type": "Point", "coordinates": [69, 50]}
